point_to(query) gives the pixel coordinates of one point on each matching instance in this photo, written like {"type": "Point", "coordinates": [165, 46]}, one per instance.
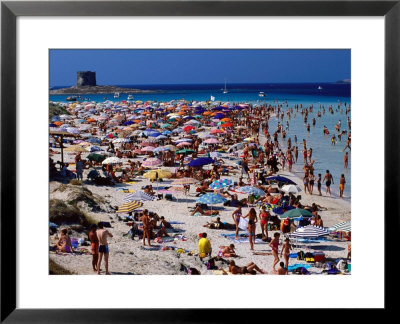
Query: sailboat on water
{"type": "Point", "coordinates": [225, 90]}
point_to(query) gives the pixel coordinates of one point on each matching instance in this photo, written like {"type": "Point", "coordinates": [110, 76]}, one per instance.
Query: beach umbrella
{"type": "Point", "coordinates": [96, 157]}
{"type": "Point", "coordinates": [75, 148]}
{"type": "Point", "coordinates": [181, 144]}
{"type": "Point", "coordinates": [152, 162]}
{"type": "Point", "coordinates": [211, 141]}
{"type": "Point", "coordinates": [73, 130]}
{"type": "Point", "coordinates": [129, 206]}
{"type": "Point", "coordinates": [296, 212]}
{"type": "Point", "coordinates": [185, 151]}
{"type": "Point", "coordinates": [184, 181]}
{"type": "Point", "coordinates": [200, 162]}
{"type": "Point", "coordinates": [211, 199]}
{"type": "Point", "coordinates": [215, 154]}
{"type": "Point", "coordinates": [215, 131]}
{"type": "Point", "coordinates": [94, 148]}
{"type": "Point", "coordinates": [160, 149]}
{"type": "Point", "coordinates": [310, 231]}
{"type": "Point", "coordinates": [227, 125]}
{"type": "Point", "coordinates": [280, 179]}
{"type": "Point", "coordinates": [184, 140]}
{"type": "Point", "coordinates": [251, 191]}
{"type": "Point", "coordinates": [158, 174]}
{"type": "Point", "coordinates": [112, 160]}
{"type": "Point", "coordinates": [290, 188]}
{"type": "Point", "coordinates": [138, 196]}
{"type": "Point", "coordinates": [188, 128]}
{"type": "Point", "coordinates": [94, 140]}
{"type": "Point", "coordinates": [221, 183]}
{"type": "Point", "coordinates": [341, 227]}
{"type": "Point", "coordinates": [148, 149]}
{"type": "Point", "coordinates": [170, 147]}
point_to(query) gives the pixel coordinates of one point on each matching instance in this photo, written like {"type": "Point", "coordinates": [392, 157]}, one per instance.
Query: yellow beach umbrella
{"type": "Point", "coordinates": [130, 206]}
{"type": "Point", "coordinates": [154, 174]}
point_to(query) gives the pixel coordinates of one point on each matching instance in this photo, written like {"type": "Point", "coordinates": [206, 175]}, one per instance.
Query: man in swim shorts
{"type": "Point", "coordinates": [329, 179]}
{"type": "Point", "coordinates": [102, 235]}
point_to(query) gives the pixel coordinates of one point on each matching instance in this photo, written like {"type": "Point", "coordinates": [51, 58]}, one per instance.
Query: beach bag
{"type": "Point", "coordinates": [310, 259]}
{"type": "Point", "coordinates": [168, 196]}
{"type": "Point", "coordinates": [300, 255]}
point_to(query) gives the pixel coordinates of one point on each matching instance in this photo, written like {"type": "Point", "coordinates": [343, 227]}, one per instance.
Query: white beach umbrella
{"type": "Point", "coordinates": [291, 188]}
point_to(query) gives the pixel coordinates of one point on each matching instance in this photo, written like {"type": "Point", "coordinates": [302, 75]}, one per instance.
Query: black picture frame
{"type": "Point", "coordinates": [10, 10]}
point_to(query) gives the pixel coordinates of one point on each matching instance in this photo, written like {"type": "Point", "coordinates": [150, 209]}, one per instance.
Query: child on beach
{"type": "Point", "coordinates": [274, 244]}
{"type": "Point", "coordinates": [319, 184]}
{"type": "Point", "coordinates": [341, 185]}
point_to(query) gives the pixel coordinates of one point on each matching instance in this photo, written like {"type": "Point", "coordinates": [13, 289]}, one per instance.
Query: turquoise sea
{"type": "Point", "coordinates": [327, 157]}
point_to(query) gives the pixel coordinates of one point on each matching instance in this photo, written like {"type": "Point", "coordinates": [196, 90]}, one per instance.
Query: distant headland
{"type": "Point", "coordinates": [86, 84]}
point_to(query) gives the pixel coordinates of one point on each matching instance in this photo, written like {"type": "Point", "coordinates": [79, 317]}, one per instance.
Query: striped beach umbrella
{"type": "Point", "coordinates": [221, 183]}
{"type": "Point", "coordinates": [211, 199]}
{"type": "Point", "coordinates": [129, 206]}
{"type": "Point", "coordinates": [310, 231]}
{"type": "Point", "coordinates": [138, 196]}
{"type": "Point", "coordinates": [251, 191]}
{"type": "Point", "coordinates": [341, 227]}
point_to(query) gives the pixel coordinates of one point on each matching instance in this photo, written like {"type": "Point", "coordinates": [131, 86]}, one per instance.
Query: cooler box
{"type": "Point", "coordinates": [319, 256]}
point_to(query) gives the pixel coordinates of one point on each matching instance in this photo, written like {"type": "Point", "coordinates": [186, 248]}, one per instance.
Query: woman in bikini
{"type": "Point", "coordinates": [146, 227]}
{"type": "Point", "coordinates": [94, 246]}
{"type": "Point", "coordinates": [236, 218]}
{"type": "Point", "coordinates": [250, 268]}
{"type": "Point", "coordinates": [264, 215]}
{"type": "Point", "coordinates": [64, 244]}
{"type": "Point", "coordinates": [227, 251]}
{"type": "Point", "coordinates": [274, 244]}
{"type": "Point", "coordinates": [252, 215]}
{"type": "Point", "coordinates": [286, 251]}
{"type": "Point", "coordinates": [305, 181]}
{"type": "Point", "coordinates": [311, 184]}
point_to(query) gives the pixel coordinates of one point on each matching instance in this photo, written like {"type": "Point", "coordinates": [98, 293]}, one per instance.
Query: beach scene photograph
{"type": "Point", "coordinates": [199, 162]}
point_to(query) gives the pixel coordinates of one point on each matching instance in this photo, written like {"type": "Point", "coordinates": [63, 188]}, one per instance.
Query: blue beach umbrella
{"type": "Point", "coordinates": [200, 162]}
{"type": "Point", "coordinates": [211, 199]}
{"type": "Point", "coordinates": [280, 179]}
{"type": "Point", "coordinates": [221, 183]}
{"type": "Point", "coordinates": [251, 191]}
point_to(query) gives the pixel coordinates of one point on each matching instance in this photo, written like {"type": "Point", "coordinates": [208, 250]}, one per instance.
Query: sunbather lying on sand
{"type": "Point", "coordinates": [248, 269]}
{"type": "Point", "coordinates": [227, 251]}
{"type": "Point", "coordinates": [217, 224]}
{"type": "Point", "coordinates": [200, 210]}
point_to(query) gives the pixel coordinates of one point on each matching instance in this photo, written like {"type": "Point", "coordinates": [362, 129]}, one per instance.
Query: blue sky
{"type": "Point", "coordinates": [130, 67]}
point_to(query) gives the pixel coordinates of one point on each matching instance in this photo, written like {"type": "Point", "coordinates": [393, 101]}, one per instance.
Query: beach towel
{"type": "Point", "coordinates": [175, 222]}
{"type": "Point", "coordinates": [293, 255]}
{"type": "Point", "coordinates": [151, 248]}
{"type": "Point", "coordinates": [243, 223]}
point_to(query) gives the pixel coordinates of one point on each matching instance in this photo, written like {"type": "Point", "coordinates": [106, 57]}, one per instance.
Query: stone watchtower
{"type": "Point", "coordinates": [85, 78]}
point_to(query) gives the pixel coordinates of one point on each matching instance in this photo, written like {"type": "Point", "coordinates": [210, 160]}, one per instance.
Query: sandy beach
{"type": "Point", "coordinates": [129, 256]}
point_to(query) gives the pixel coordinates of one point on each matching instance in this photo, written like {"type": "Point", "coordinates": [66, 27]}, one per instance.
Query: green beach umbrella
{"type": "Point", "coordinates": [185, 151]}
{"type": "Point", "coordinates": [297, 212]}
{"type": "Point", "coordinates": [96, 157]}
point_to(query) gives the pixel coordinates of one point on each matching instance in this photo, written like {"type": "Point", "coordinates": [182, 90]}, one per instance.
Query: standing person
{"type": "Point", "coordinates": [311, 184]}
{"type": "Point", "coordinates": [341, 185]}
{"type": "Point", "coordinates": [306, 182]}
{"type": "Point", "coordinates": [286, 248]}
{"type": "Point", "coordinates": [346, 160]}
{"type": "Point", "coordinates": [252, 215]}
{"type": "Point", "coordinates": [329, 179]}
{"type": "Point", "coordinates": [296, 153]}
{"type": "Point", "coordinates": [236, 218]}
{"type": "Point", "coordinates": [264, 215]}
{"type": "Point", "coordinates": [146, 227]}
{"type": "Point", "coordinates": [245, 168]}
{"type": "Point", "coordinates": [79, 169]}
{"type": "Point", "coordinates": [274, 244]}
{"type": "Point", "coordinates": [102, 235]}
{"type": "Point", "coordinates": [94, 246]}
{"type": "Point", "coordinates": [319, 184]}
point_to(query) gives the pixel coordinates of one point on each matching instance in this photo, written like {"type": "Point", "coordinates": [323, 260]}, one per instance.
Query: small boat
{"type": "Point", "coordinates": [116, 95]}
{"type": "Point", "coordinates": [225, 90]}
{"type": "Point", "coordinates": [262, 94]}
{"type": "Point", "coordinates": [71, 98]}
{"type": "Point", "coordinates": [130, 97]}
{"type": "Point", "coordinates": [319, 88]}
